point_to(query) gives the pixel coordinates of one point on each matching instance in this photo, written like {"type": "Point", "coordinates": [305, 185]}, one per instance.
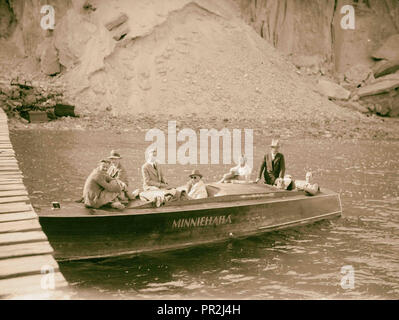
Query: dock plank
{"type": "Point", "coordinates": [29, 287]}
{"type": "Point", "coordinates": [17, 226]}
{"type": "Point", "coordinates": [9, 187]}
{"type": "Point", "coordinates": [9, 181]}
{"type": "Point", "coordinates": [25, 249]}
{"type": "Point", "coordinates": [12, 193]}
{"type": "Point", "coordinates": [9, 169]}
{"type": "Point", "coordinates": [14, 199]}
{"type": "Point", "coordinates": [17, 267]}
{"type": "Point", "coordinates": [18, 237]}
{"type": "Point", "coordinates": [5, 217]}
{"type": "Point", "coordinates": [11, 176]}
{"type": "Point", "coordinates": [14, 207]}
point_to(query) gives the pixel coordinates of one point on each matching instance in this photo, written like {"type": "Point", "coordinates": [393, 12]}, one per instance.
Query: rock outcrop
{"type": "Point", "coordinates": [332, 90]}
{"type": "Point", "coordinates": [174, 57]}
{"type": "Point", "coordinates": [20, 96]}
{"type": "Point", "coordinates": [189, 56]}
{"type": "Point", "coordinates": [387, 56]}
{"type": "Point", "coordinates": [310, 32]}
{"type": "Point", "coordinates": [308, 27]}
{"type": "Point", "coordinates": [382, 95]}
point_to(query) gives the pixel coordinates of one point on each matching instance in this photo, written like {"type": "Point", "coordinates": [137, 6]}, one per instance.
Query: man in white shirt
{"type": "Point", "coordinates": [195, 188]}
{"type": "Point", "coordinates": [240, 172]}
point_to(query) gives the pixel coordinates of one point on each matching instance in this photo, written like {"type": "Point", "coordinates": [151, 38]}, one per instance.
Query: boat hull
{"type": "Point", "coordinates": [96, 236]}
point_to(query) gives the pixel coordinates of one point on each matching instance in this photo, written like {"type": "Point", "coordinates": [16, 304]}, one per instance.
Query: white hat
{"type": "Point", "coordinates": [275, 143]}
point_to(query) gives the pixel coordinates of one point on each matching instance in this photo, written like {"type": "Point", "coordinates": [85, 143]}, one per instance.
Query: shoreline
{"type": "Point", "coordinates": [363, 128]}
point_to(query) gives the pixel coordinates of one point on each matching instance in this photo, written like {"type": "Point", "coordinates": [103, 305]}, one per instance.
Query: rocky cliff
{"type": "Point", "coordinates": [182, 56]}
{"type": "Point", "coordinates": [313, 28]}
{"type": "Point", "coordinates": [311, 33]}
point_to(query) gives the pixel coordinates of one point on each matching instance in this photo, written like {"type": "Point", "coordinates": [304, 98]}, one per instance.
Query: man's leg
{"type": "Point", "coordinates": [227, 177]}
{"type": "Point", "coordinates": [111, 198]}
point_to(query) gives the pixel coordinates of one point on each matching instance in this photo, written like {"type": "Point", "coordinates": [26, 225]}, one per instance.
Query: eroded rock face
{"type": "Point", "coordinates": [48, 55]}
{"type": "Point", "coordinates": [178, 56]}
{"type": "Point", "coordinates": [382, 96]}
{"type": "Point", "coordinates": [332, 90]}
{"type": "Point", "coordinates": [384, 86]}
{"type": "Point", "coordinates": [308, 27]}
{"type": "Point", "coordinates": [7, 20]}
{"type": "Point", "coordinates": [387, 56]}
{"type": "Point", "coordinates": [389, 49]}
{"type": "Point", "coordinates": [71, 36]}
{"type": "Point", "coordinates": [359, 75]}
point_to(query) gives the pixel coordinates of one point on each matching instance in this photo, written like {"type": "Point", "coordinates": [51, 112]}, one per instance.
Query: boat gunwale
{"type": "Point", "coordinates": [225, 203]}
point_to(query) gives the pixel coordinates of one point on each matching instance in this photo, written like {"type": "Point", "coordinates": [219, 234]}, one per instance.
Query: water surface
{"type": "Point", "coordinates": [300, 263]}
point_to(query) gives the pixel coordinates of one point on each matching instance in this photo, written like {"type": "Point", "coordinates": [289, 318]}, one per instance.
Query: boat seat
{"type": "Point", "coordinates": [212, 191]}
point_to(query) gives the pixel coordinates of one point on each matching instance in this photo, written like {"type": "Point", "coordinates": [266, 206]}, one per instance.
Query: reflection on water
{"type": "Point", "coordinates": [300, 263]}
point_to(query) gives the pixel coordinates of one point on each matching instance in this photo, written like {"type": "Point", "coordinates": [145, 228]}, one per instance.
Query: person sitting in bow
{"type": "Point", "coordinates": [311, 188]}
{"type": "Point", "coordinates": [240, 172]}
{"type": "Point", "coordinates": [100, 189]}
{"type": "Point", "coordinates": [273, 164]}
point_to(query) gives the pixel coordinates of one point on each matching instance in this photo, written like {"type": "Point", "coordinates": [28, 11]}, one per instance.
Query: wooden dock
{"type": "Point", "coordinates": [27, 267]}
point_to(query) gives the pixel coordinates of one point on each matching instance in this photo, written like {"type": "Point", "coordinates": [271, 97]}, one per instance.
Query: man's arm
{"type": "Point", "coordinates": [163, 182]}
{"type": "Point", "coordinates": [282, 166]}
{"type": "Point", "coordinates": [262, 167]}
{"type": "Point", "coordinates": [111, 186]}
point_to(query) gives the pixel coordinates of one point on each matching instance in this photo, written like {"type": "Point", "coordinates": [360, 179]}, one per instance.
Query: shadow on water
{"type": "Point", "coordinates": [225, 269]}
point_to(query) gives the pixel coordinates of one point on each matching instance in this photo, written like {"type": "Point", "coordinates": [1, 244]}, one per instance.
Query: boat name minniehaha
{"type": "Point", "coordinates": [201, 221]}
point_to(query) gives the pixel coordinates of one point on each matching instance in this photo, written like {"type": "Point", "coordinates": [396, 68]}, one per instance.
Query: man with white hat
{"type": "Point", "coordinates": [273, 164]}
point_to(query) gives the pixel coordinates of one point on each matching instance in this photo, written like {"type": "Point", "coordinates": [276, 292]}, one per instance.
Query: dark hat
{"type": "Point", "coordinates": [104, 160]}
{"type": "Point", "coordinates": [114, 155]}
{"type": "Point", "coordinates": [195, 173]}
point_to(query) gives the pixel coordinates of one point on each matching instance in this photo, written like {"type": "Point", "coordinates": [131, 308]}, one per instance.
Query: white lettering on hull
{"type": "Point", "coordinates": [201, 221]}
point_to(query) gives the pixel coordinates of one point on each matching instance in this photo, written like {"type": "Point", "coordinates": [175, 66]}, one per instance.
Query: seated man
{"type": "Point", "coordinates": [286, 183]}
{"type": "Point", "coordinates": [118, 172]}
{"type": "Point", "coordinates": [307, 185]}
{"type": "Point", "coordinates": [100, 189]}
{"type": "Point", "coordinates": [156, 189]}
{"type": "Point", "coordinates": [240, 172]}
{"type": "Point", "coordinates": [195, 188]}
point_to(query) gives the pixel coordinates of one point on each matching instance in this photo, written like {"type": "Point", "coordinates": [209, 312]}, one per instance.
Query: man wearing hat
{"type": "Point", "coordinates": [118, 172]}
{"type": "Point", "coordinates": [100, 189]}
{"type": "Point", "coordinates": [273, 164]}
{"type": "Point", "coordinates": [195, 188]}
